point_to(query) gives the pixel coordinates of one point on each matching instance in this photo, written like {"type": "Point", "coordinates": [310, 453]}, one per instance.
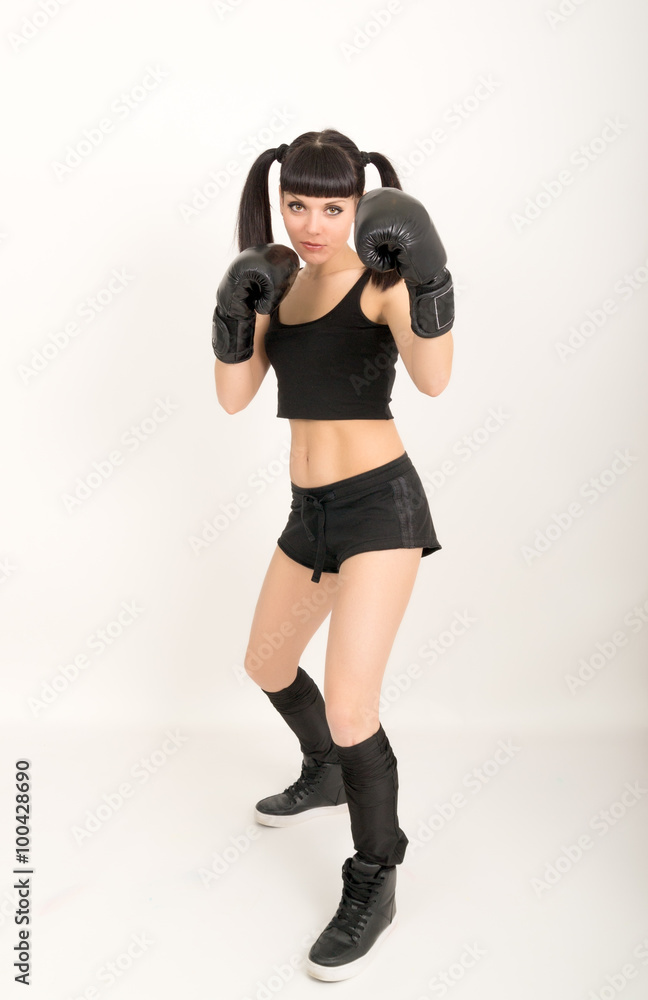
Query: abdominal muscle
{"type": "Point", "coordinates": [325, 451]}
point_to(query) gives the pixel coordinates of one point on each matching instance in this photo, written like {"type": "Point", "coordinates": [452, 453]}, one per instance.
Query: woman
{"type": "Point", "coordinates": [359, 521]}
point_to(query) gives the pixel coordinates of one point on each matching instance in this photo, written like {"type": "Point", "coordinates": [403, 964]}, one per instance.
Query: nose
{"type": "Point", "coordinates": [312, 224]}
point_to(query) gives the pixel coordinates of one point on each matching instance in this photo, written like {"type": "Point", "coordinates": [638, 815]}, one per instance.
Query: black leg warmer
{"type": "Point", "coordinates": [369, 771]}
{"type": "Point", "coordinates": [302, 707]}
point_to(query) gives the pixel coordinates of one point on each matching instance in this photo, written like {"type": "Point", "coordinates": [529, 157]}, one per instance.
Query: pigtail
{"type": "Point", "coordinates": [254, 223]}
{"type": "Point", "coordinates": [388, 178]}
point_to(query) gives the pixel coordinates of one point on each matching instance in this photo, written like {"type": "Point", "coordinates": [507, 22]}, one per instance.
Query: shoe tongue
{"type": "Point", "coordinates": [364, 866]}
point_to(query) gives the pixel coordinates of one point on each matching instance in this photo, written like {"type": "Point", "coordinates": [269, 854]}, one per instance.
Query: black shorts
{"type": "Point", "coordinates": [384, 508]}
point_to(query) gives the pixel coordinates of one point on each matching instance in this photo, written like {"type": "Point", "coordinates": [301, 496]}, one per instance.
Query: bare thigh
{"type": "Point", "coordinates": [289, 611]}
{"type": "Point", "coordinates": [365, 618]}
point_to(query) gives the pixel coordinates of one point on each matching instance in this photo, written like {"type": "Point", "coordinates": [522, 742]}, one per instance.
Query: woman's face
{"type": "Point", "coordinates": [318, 227]}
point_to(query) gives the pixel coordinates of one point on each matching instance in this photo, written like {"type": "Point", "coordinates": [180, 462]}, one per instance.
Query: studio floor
{"type": "Point", "coordinates": [525, 876]}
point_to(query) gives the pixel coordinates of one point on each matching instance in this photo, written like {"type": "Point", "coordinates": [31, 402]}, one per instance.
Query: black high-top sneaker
{"type": "Point", "coordinates": [318, 790]}
{"type": "Point", "coordinates": [365, 916]}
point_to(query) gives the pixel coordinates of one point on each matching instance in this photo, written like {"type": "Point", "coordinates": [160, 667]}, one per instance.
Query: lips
{"type": "Point", "coordinates": [313, 246]}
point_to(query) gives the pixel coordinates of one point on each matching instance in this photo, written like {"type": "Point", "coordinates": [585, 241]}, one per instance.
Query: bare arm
{"type": "Point", "coordinates": [428, 360]}
{"type": "Point", "coordinates": [237, 385]}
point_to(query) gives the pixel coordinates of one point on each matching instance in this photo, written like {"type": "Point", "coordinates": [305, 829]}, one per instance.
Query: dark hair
{"type": "Point", "coordinates": [316, 165]}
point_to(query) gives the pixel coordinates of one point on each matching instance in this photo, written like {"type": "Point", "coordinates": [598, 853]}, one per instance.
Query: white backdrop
{"type": "Point", "coordinates": [138, 517]}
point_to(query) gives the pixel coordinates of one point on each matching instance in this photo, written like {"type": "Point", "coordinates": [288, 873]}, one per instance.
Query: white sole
{"type": "Point", "coordinates": [335, 974]}
{"type": "Point", "coordinates": [267, 819]}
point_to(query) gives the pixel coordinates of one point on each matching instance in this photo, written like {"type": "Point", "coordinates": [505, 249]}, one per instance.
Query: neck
{"type": "Point", "coordinates": [342, 261]}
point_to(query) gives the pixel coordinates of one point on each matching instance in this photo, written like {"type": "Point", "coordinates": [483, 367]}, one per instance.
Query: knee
{"type": "Point", "coordinates": [270, 672]}
{"type": "Point", "coordinates": [351, 724]}
{"type": "Point", "coordinates": [251, 666]}
{"type": "Point", "coordinates": [261, 655]}
{"type": "Point", "coordinates": [257, 667]}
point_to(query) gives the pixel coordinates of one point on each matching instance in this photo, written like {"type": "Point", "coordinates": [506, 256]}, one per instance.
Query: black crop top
{"type": "Point", "coordinates": [337, 367]}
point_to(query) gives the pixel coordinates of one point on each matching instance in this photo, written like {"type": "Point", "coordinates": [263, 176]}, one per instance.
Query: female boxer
{"type": "Point", "coordinates": [359, 520]}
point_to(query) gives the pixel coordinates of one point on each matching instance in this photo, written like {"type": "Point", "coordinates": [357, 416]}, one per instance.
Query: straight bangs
{"type": "Point", "coordinates": [320, 171]}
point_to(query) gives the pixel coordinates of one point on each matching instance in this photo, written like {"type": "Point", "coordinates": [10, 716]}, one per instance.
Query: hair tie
{"type": "Point", "coordinates": [280, 152]}
{"type": "Point", "coordinates": [365, 157]}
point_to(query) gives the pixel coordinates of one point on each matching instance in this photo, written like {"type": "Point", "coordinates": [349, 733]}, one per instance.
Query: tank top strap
{"type": "Point", "coordinates": [357, 289]}
{"type": "Point", "coordinates": [361, 282]}
{"type": "Point", "coordinates": [349, 310]}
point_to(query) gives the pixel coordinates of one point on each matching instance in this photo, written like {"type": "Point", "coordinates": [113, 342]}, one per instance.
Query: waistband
{"type": "Point", "coordinates": [354, 484]}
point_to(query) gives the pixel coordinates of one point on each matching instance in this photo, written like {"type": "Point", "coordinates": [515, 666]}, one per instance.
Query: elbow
{"type": "Point", "coordinates": [229, 401]}
{"type": "Point", "coordinates": [435, 387]}
{"type": "Point", "coordinates": [230, 406]}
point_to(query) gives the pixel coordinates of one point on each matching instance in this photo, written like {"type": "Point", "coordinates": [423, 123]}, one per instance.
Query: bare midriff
{"type": "Point", "coordinates": [325, 451]}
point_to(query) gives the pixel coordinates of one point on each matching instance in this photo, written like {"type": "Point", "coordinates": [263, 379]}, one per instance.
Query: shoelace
{"type": "Point", "coordinates": [309, 778]}
{"type": "Point", "coordinates": [354, 909]}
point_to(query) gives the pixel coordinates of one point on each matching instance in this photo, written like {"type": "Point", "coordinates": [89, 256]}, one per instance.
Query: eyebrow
{"type": "Point", "coordinates": [326, 203]}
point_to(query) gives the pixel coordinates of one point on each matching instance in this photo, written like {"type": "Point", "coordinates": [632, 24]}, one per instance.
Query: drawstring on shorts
{"type": "Point", "coordinates": [316, 504]}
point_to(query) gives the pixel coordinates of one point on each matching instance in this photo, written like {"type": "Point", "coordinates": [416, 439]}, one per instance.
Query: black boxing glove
{"type": "Point", "coordinates": [394, 230]}
{"type": "Point", "coordinates": [256, 281]}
